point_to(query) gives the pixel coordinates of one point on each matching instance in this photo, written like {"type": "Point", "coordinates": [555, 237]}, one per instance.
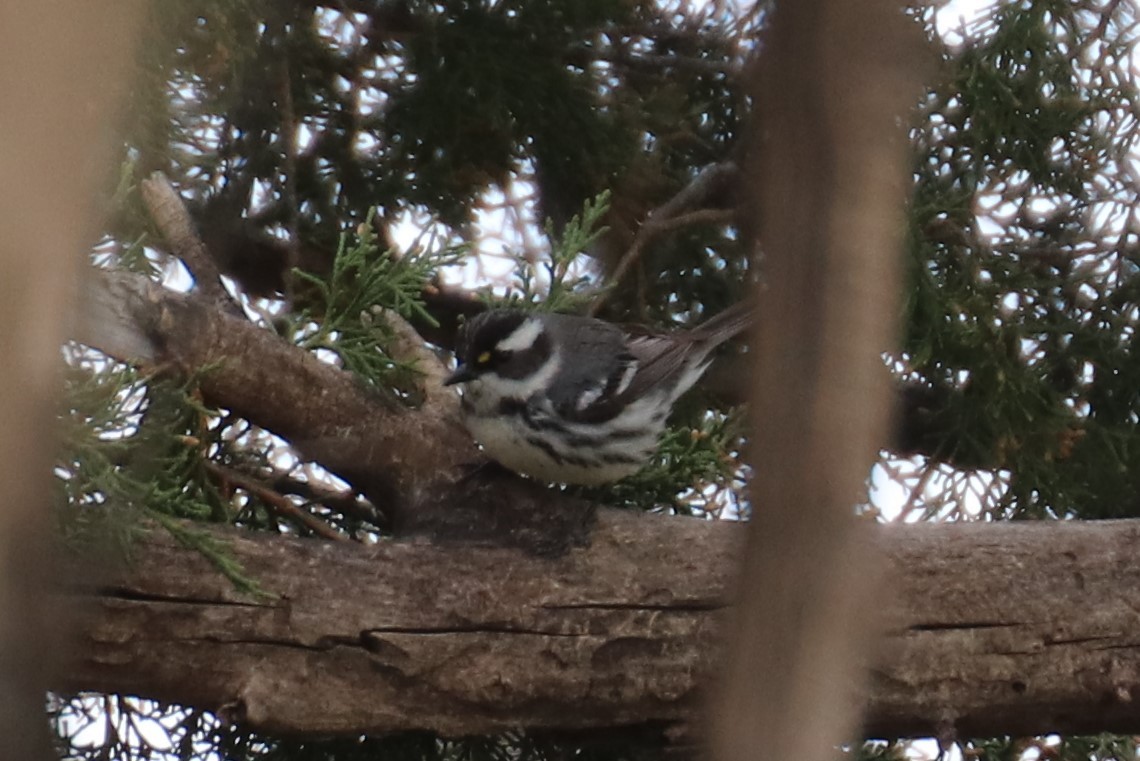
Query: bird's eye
{"type": "Point", "coordinates": [483, 358]}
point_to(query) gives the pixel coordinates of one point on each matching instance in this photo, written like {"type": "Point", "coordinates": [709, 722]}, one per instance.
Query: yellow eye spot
{"type": "Point", "coordinates": [483, 358]}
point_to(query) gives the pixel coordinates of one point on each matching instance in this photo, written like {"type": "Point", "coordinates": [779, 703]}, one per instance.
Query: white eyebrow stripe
{"type": "Point", "coordinates": [522, 337]}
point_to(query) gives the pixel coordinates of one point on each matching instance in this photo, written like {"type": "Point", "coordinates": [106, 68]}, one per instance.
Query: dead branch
{"type": "Point", "coordinates": [670, 216]}
{"type": "Point", "coordinates": [410, 463]}
{"type": "Point", "coordinates": [279, 503]}
{"type": "Point", "coordinates": [385, 450]}
{"type": "Point", "coordinates": [990, 634]}
{"type": "Point", "coordinates": [170, 215]}
{"type": "Point", "coordinates": [340, 501]}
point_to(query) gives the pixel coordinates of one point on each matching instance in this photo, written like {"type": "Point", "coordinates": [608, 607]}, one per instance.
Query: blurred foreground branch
{"type": "Point", "coordinates": [826, 179]}
{"type": "Point", "coordinates": [62, 72]}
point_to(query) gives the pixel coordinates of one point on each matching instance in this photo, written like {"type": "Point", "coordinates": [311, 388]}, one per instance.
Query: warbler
{"type": "Point", "coordinates": [577, 400]}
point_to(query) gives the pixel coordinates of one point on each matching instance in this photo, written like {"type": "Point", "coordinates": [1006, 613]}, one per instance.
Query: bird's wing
{"type": "Point", "coordinates": [596, 367]}
{"type": "Point", "coordinates": [635, 363]}
{"type": "Point", "coordinates": [678, 359]}
{"type": "Point", "coordinates": [635, 368]}
{"type": "Point", "coordinates": [660, 360]}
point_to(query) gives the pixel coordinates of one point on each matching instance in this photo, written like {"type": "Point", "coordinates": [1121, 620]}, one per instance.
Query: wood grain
{"type": "Point", "coordinates": [1021, 628]}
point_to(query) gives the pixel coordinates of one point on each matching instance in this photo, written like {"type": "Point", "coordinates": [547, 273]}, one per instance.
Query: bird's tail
{"type": "Point", "coordinates": [727, 323]}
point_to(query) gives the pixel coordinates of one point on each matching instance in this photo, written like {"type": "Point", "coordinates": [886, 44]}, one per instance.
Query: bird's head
{"type": "Point", "coordinates": [507, 343]}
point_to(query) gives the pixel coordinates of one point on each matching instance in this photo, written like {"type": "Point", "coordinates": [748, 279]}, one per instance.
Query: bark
{"type": "Point", "coordinates": [1020, 628]}
{"type": "Point", "coordinates": [529, 608]}
{"type": "Point", "coordinates": [413, 464]}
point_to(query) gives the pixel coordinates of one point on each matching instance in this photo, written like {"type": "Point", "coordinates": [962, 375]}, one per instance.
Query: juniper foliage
{"type": "Point", "coordinates": [307, 135]}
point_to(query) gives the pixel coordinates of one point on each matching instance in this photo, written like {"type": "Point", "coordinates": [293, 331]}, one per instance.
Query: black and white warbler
{"type": "Point", "coordinates": [575, 399]}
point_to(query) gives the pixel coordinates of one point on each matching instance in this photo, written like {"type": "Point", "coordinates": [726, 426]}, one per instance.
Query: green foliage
{"type": "Point", "coordinates": [1024, 278]}
{"type": "Point", "coordinates": [430, 105]}
{"type": "Point", "coordinates": [562, 289]}
{"type": "Point", "coordinates": [132, 453]}
{"type": "Point", "coordinates": [93, 436]}
{"type": "Point", "coordinates": [1022, 92]}
{"type": "Point", "coordinates": [691, 462]}
{"type": "Point", "coordinates": [469, 113]}
{"type": "Point", "coordinates": [196, 734]}
{"type": "Point", "coordinates": [1103, 747]}
{"type": "Point", "coordinates": [214, 550]}
{"type": "Point", "coordinates": [1022, 296]}
{"type": "Point", "coordinates": [512, 746]}
{"type": "Point", "coordinates": [134, 258]}
{"type": "Point", "coordinates": [365, 281]}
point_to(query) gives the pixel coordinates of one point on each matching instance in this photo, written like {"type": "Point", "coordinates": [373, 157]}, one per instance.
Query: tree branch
{"type": "Point", "coordinates": [342, 501]}
{"type": "Point", "coordinates": [990, 635]}
{"type": "Point", "coordinates": [383, 449]}
{"type": "Point", "coordinates": [172, 218]}
{"type": "Point", "coordinates": [670, 216]}
{"type": "Point", "coordinates": [279, 503]}
{"type": "Point", "coordinates": [410, 463]}
{"type": "Point", "coordinates": [825, 171]}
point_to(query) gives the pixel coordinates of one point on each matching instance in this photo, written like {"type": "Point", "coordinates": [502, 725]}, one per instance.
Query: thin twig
{"type": "Point", "coordinates": [669, 216]}
{"type": "Point", "coordinates": [174, 222]}
{"type": "Point", "coordinates": [1102, 28]}
{"type": "Point", "coordinates": [278, 502]}
{"type": "Point", "coordinates": [711, 179]}
{"type": "Point", "coordinates": [289, 162]}
{"type": "Point", "coordinates": [698, 217]}
{"type": "Point", "coordinates": [659, 63]}
{"type": "Point", "coordinates": [917, 494]}
{"type": "Point", "coordinates": [344, 502]}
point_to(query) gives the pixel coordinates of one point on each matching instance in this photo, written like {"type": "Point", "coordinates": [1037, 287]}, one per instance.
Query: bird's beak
{"type": "Point", "coordinates": [462, 374]}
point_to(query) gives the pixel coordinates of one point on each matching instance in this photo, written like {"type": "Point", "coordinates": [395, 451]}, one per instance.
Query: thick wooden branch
{"type": "Point", "coordinates": [412, 463]}
{"type": "Point", "coordinates": [1018, 628]}
{"type": "Point", "coordinates": [1022, 628]}
{"type": "Point", "coordinates": [326, 412]}
{"type": "Point", "coordinates": [170, 215]}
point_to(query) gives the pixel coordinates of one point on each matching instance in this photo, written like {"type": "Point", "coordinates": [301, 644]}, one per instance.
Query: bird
{"type": "Point", "coordinates": [577, 400]}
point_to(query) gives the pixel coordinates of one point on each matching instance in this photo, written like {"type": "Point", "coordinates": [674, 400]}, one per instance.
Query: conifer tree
{"type": "Point", "coordinates": [362, 176]}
